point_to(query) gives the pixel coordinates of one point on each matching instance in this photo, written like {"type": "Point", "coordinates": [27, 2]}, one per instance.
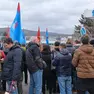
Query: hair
{"type": "Point", "coordinates": [69, 41]}
{"type": "Point", "coordinates": [46, 48]}
{"type": "Point", "coordinates": [63, 45]}
{"type": "Point", "coordinates": [92, 42]}
{"type": "Point", "coordinates": [85, 39]}
{"type": "Point", "coordinates": [56, 43]}
{"type": "Point", "coordinates": [17, 43]}
{"type": "Point", "coordinates": [8, 41]}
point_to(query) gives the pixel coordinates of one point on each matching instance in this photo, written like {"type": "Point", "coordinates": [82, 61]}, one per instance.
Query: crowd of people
{"type": "Point", "coordinates": [62, 69]}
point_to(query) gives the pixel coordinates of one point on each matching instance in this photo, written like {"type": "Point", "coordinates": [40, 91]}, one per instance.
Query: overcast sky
{"type": "Point", "coordinates": [56, 15]}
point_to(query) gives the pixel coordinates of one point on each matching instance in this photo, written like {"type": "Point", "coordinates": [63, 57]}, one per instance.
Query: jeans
{"type": "Point", "coordinates": [65, 84]}
{"type": "Point", "coordinates": [11, 89]}
{"type": "Point", "coordinates": [36, 82]}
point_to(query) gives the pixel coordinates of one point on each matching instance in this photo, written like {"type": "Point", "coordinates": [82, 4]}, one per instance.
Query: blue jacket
{"type": "Point", "coordinates": [63, 63]}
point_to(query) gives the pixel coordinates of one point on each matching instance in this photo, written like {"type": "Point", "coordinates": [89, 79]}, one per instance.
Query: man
{"type": "Point", "coordinates": [55, 52]}
{"type": "Point", "coordinates": [19, 83]}
{"type": "Point", "coordinates": [83, 60]}
{"type": "Point", "coordinates": [33, 61]}
{"type": "Point", "coordinates": [63, 69]}
{"type": "Point", "coordinates": [12, 65]}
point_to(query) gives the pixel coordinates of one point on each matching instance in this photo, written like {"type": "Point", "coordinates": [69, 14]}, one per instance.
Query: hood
{"type": "Point", "coordinates": [32, 44]}
{"type": "Point", "coordinates": [14, 47]}
{"type": "Point", "coordinates": [64, 52]}
{"type": "Point", "coordinates": [86, 48]}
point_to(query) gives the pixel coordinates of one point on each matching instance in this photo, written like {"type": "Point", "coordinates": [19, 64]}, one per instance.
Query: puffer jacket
{"type": "Point", "coordinates": [12, 64]}
{"type": "Point", "coordinates": [63, 63]}
{"type": "Point", "coordinates": [83, 60]}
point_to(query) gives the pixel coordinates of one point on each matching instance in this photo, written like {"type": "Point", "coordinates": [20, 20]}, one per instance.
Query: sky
{"type": "Point", "coordinates": [58, 16]}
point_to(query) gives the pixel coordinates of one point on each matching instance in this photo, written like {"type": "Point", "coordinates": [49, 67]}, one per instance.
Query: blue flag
{"type": "Point", "coordinates": [22, 38]}
{"type": "Point", "coordinates": [47, 37]}
{"type": "Point", "coordinates": [15, 29]}
{"type": "Point", "coordinates": [82, 31]}
{"type": "Point", "coordinates": [93, 13]}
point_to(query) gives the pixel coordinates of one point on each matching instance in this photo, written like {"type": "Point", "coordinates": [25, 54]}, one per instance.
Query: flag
{"type": "Point", "coordinates": [7, 33]}
{"type": "Point", "coordinates": [93, 13]}
{"type": "Point", "coordinates": [22, 38]}
{"type": "Point", "coordinates": [82, 31]}
{"type": "Point", "coordinates": [38, 34]}
{"type": "Point", "coordinates": [15, 29]}
{"type": "Point", "coordinates": [47, 37]}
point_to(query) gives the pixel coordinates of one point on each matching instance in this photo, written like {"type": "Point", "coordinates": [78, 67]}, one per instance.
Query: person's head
{"type": "Point", "coordinates": [17, 43]}
{"type": "Point", "coordinates": [8, 43]}
{"type": "Point", "coordinates": [56, 45]}
{"type": "Point", "coordinates": [92, 42]}
{"type": "Point", "coordinates": [36, 40]}
{"type": "Point", "coordinates": [62, 46]}
{"type": "Point", "coordinates": [85, 39]}
{"type": "Point", "coordinates": [46, 48]}
{"type": "Point", "coordinates": [69, 41]}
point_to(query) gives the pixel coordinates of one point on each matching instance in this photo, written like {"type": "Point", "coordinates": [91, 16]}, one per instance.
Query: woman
{"type": "Point", "coordinates": [46, 55]}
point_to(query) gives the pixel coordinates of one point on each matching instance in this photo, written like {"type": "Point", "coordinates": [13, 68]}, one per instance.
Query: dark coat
{"type": "Point", "coordinates": [12, 64]}
{"type": "Point", "coordinates": [46, 56]}
{"type": "Point", "coordinates": [31, 54]}
{"type": "Point", "coordinates": [63, 63]}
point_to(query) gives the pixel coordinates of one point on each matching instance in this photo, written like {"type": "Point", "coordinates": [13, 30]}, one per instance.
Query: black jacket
{"type": "Point", "coordinates": [32, 53]}
{"type": "Point", "coordinates": [12, 64]}
{"type": "Point", "coordinates": [47, 58]}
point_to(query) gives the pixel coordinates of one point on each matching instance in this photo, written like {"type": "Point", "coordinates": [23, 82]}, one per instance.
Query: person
{"type": "Point", "coordinates": [1, 45]}
{"type": "Point", "coordinates": [2, 56]}
{"type": "Point", "coordinates": [55, 51]}
{"type": "Point", "coordinates": [33, 61]}
{"type": "Point", "coordinates": [63, 69]}
{"type": "Point", "coordinates": [70, 47]}
{"type": "Point", "coordinates": [46, 55]}
{"type": "Point", "coordinates": [25, 66]}
{"type": "Point", "coordinates": [83, 60]}
{"type": "Point", "coordinates": [12, 65]}
{"type": "Point", "coordinates": [19, 83]}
